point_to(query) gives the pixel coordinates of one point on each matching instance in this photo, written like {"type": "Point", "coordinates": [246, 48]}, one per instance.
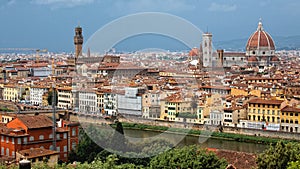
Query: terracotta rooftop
{"type": "Point", "coordinates": [37, 152]}
{"type": "Point", "coordinates": [240, 160]}
{"type": "Point", "coordinates": [262, 101]}
{"type": "Point", "coordinates": [39, 121]}
{"type": "Point", "coordinates": [291, 109]}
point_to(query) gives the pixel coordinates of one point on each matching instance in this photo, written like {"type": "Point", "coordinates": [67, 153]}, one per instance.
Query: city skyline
{"type": "Point", "coordinates": [49, 24]}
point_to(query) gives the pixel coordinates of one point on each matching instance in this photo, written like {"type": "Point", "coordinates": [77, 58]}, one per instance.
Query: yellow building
{"type": "Point", "coordinates": [151, 104]}
{"type": "Point", "coordinates": [212, 102]}
{"type": "Point", "coordinates": [290, 117]}
{"type": "Point", "coordinates": [200, 113]}
{"type": "Point", "coordinates": [11, 92]}
{"type": "Point", "coordinates": [100, 101]}
{"type": "Point", "coordinates": [175, 106]}
{"type": "Point", "coordinates": [264, 110]}
{"type": "Point", "coordinates": [241, 92]}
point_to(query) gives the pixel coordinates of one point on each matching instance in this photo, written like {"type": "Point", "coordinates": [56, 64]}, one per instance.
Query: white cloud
{"type": "Point", "coordinates": [152, 5]}
{"type": "Point", "coordinates": [62, 3]}
{"type": "Point", "coordinates": [222, 7]}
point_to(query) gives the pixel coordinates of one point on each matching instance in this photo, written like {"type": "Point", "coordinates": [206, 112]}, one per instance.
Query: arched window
{"type": "Point", "coordinates": [31, 138]}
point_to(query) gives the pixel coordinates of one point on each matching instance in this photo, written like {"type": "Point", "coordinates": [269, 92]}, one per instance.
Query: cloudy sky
{"type": "Point", "coordinates": [50, 23]}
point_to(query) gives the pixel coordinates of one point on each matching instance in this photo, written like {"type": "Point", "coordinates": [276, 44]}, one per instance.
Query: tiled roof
{"type": "Point", "coordinates": [38, 121]}
{"type": "Point", "coordinates": [37, 152]}
{"type": "Point", "coordinates": [290, 109]}
{"type": "Point", "coordinates": [262, 101]}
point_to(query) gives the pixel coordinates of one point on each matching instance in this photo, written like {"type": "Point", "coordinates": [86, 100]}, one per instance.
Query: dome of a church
{"type": "Point", "coordinates": [260, 39]}
{"type": "Point", "coordinates": [194, 52]}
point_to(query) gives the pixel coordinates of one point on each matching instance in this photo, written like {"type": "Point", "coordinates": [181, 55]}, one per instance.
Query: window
{"type": "Point", "coordinates": [7, 139]}
{"type": "Point", "coordinates": [73, 145]}
{"type": "Point", "coordinates": [58, 149]}
{"type": "Point", "coordinates": [65, 149]}
{"type": "Point", "coordinates": [50, 136]}
{"type": "Point", "coordinates": [2, 138]}
{"type": "Point", "coordinates": [65, 135]}
{"type": "Point", "coordinates": [73, 131]}
{"type": "Point", "coordinates": [19, 140]}
{"type": "Point", "coordinates": [13, 153]}
{"type": "Point", "coordinates": [25, 140]}
{"type": "Point", "coordinates": [41, 137]}
{"type": "Point", "coordinates": [2, 150]}
{"type": "Point", "coordinates": [57, 136]}
{"type": "Point", "coordinates": [13, 140]}
{"type": "Point", "coordinates": [31, 138]}
{"type": "Point", "coordinates": [7, 151]}
{"type": "Point", "coordinates": [51, 147]}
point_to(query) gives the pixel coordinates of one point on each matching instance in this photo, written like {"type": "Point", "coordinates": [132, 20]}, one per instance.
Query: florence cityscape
{"type": "Point", "coordinates": [150, 84]}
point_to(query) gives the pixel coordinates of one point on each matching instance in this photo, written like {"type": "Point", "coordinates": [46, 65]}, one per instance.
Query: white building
{"type": "Point", "coordinates": [130, 103]}
{"type": "Point", "coordinates": [88, 101]}
{"type": "Point", "coordinates": [36, 94]}
{"type": "Point", "coordinates": [228, 119]}
{"type": "Point", "coordinates": [41, 71]}
{"type": "Point", "coordinates": [216, 118]}
{"type": "Point", "coordinates": [110, 103]}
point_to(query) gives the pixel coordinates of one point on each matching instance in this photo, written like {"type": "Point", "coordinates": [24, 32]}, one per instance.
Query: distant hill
{"type": "Point", "coordinates": [281, 42]}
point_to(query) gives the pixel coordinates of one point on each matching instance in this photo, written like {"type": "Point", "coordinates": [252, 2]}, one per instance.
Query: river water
{"type": "Point", "coordinates": [205, 142]}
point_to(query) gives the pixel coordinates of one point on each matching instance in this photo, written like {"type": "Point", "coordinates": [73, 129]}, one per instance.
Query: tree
{"type": "Point", "coordinates": [50, 97]}
{"type": "Point", "coordinates": [194, 104]}
{"type": "Point", "coordinates": [87, 149]}
{"type": "Point", "coordinates": [294, 165]}
{"type": "Point", "coordinates": [118, 142]}
{"type": "Point", "coordinates": [278, 156]}
{"type": "Point", "coordinates": [187, 157]}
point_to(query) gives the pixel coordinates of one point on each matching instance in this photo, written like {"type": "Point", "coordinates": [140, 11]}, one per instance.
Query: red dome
{"type": "Point", "coordinates": [194, 52]}
{"type": "Point", "coordinates": [252, 59]}
{"type": "Point", "coordinates": [260, 38]}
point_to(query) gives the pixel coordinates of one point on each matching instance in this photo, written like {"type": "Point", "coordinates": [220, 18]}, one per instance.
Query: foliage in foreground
{"type": "Point", "coordinates": [280, 156]}
{"type": "Point", "coordinates": [186, 157]}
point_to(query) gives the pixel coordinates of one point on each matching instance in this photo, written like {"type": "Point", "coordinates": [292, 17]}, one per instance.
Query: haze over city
{"type": "Point", "coordinates": [49, 23]}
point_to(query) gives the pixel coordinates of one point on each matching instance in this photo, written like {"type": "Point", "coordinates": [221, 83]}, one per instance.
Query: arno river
{"type": "Point", "coordinates": [181, 140]}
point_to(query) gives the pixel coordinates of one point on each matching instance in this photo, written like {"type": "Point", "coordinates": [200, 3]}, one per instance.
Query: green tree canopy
{"type": "Point", "coordinates": [187, 157]}
{"type": "Point", "coordinates": [279, 156]}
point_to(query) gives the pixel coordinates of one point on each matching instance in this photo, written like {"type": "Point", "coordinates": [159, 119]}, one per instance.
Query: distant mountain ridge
{"type": "Point", "coordinates": [281, 43]}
